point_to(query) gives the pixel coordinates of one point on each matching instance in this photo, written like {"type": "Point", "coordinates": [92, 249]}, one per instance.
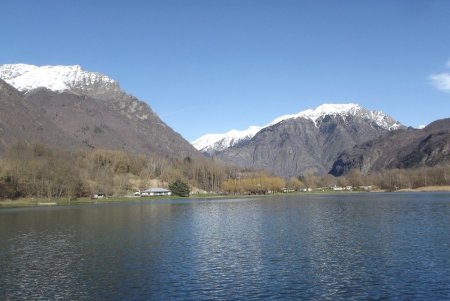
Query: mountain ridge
{"type": "Point", "coordinates": [89, 109]}
{"type": "Point", "coordinates": [214, 143]}
{"type": "Point", "coordinates": [25, 77]}
{"type": "Point", "coordinates": [308, 142]}
{"type": "Point", "coordinates": [407, 148]}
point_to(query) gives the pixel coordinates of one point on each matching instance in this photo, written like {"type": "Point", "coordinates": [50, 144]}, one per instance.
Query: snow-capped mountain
{"type": "Point", "coordinates": [343, 110]}
{"type": "Point", "coordinates": [26, 77]}
{"type": "Point", "coordinates": [213, 143]}
{"type": "Point", "coordinates": [82, 109]}
{"type": "Point", "coordinates": [309, 141]}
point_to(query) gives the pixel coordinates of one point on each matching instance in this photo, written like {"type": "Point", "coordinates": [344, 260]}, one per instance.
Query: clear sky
{"type": "Point", "coordinates": [212, 65]}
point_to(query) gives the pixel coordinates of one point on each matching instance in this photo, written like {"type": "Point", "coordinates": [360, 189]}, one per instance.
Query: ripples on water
{"type": "Point", "coordinates": [358, 246]}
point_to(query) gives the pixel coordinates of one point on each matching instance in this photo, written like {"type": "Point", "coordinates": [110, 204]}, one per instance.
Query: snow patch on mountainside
{"type": "Point", "coordinates": [211, 143]}
{"type": "Point", "coordinates": [26, 77]}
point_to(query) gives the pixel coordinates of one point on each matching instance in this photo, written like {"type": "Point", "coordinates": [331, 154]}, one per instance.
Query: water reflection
{"type": "Point", "coordinates": [361, 246]}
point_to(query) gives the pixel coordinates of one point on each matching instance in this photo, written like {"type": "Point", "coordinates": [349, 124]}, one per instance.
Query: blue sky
{"type": "Point", "coordinates": [213, 65]}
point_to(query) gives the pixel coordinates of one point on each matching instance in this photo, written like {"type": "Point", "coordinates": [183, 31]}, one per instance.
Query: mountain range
{"type": "Point", "coordinates": [213, 143]}
{"type": "Point", "coordinates": [306, 142]}
{"type": "Point", "coordinates": [70, 108]}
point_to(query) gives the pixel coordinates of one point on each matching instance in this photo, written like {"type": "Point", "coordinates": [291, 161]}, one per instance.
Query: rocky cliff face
{"type": "Point", "coordinates": [408, 148]}
{"type": "Point", "coordinates": [88, 110]}
{"type": "Point", "coordinates": [300, 144]}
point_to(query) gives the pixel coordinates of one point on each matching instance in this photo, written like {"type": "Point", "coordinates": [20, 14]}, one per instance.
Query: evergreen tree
{"type": "Point", "coordinates": [180, 188]}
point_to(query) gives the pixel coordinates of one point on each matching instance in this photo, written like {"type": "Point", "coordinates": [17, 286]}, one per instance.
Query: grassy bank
{"type": "Point", "coordinates": [44, 202]}
{"type": "Point", "coordinates": [38, 202]}
{"type": "Point", "coordinates": [428, 189]}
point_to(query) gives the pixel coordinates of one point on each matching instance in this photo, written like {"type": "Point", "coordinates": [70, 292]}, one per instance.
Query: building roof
{"type": "Point", "coordinates": [156, 190]}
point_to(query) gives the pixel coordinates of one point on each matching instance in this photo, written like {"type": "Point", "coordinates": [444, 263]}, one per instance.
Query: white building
{"type": "Point", "coordinates": [154, 192]}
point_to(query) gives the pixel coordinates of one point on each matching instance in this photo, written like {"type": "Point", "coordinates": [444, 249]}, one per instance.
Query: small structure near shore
{"type": "Point", "coordinates": [154, 192]}
{"type": "Point", "coordinates": [47, 204]}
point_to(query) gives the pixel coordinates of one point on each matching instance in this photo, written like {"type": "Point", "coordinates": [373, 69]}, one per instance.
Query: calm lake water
{"type": "Point", "coordinates": [331, 247]}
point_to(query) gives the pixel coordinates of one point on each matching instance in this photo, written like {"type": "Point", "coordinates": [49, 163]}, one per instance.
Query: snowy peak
{"type": "Point", "coordinates": [56, 78]}
{"type": "Point", "coordinates": [27, 78]}
{"type": "Point", "coordinates": [321, 111]}
{"type": "Point", "coordinates": [343, 110]}
{"type": "Point", "coordinates": [212, 143]}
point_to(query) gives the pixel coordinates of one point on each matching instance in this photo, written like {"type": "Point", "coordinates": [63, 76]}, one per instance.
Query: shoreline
{"type": "Point", "coordinates": [427, 189]}
{"type": "Point", "coordinates": [45, 202]}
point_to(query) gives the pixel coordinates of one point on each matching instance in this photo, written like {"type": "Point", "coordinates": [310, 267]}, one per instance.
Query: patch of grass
{"type": "Point", "coordinates": [433, 188]}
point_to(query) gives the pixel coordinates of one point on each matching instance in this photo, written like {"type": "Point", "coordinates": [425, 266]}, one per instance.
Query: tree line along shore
{"type": "Point", "coordinates": [36, 171]}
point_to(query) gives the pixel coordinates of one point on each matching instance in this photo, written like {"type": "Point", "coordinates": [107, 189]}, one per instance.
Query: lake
{"type": "Point", "coordinates": [312, 247]}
